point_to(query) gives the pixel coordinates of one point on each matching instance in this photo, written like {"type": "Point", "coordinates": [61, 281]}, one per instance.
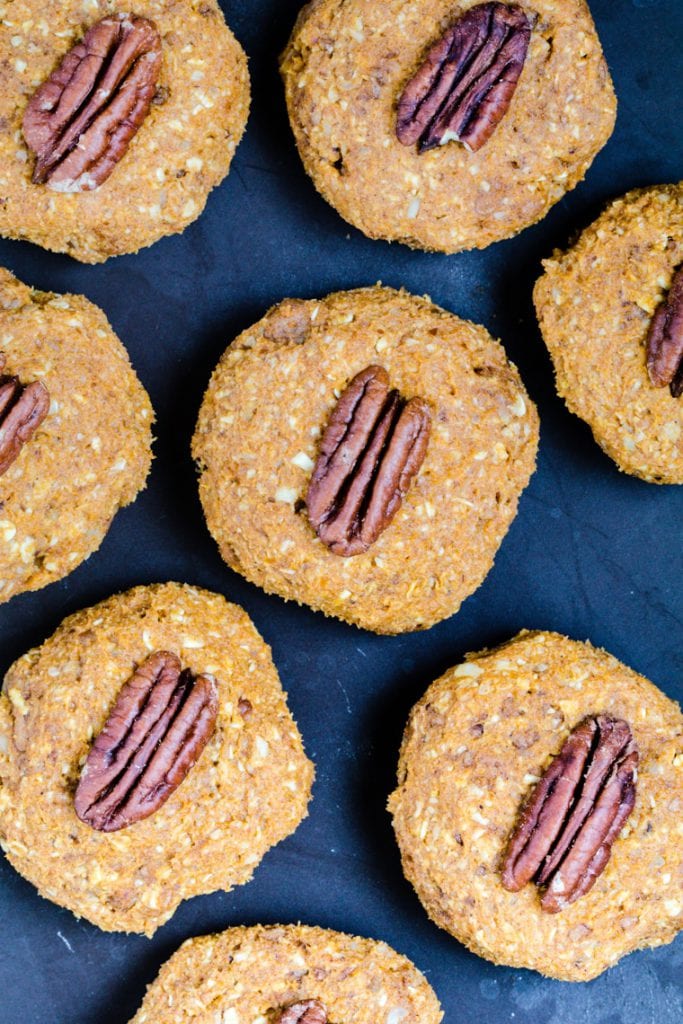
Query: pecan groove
{"type": "Point", "coordinates": [464, 86]}
{"type": "Point", "coordinates": [22, 409]}
{"type": "Point", "coordinates": [565, 833]}
{"type": "Point", "coordinates": [372, 448]}
{"type": "Point", "coordinates": [79, 123]}
{"type": "Point", "coordinates": [665, 340]}
{"type": "Point", "coordinates": [308, 1011]}
{"type": "Point", "coordinates": [161, 721]}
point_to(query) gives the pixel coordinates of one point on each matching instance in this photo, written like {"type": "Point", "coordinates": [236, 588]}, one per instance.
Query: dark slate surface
{"type": "Point", "coordinates": [592, 553]}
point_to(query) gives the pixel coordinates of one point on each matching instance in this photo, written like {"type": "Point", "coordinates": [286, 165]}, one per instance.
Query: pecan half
{"type": "Point", "coordinates": [22, 409]}
{"type": "Point", "coordinates": [373, 446]}
{"type": "Point", "coordinates": [80, 121]}
{"type": "Point", "coordinates": [162, 720]}
{"type": "Point", "coordinates": [465, 85]}
{"type": "Point", "coordinates": [565, 833]}
{"type": "Point", "coordinates": [665, 340]}
{"type": "Point", "coordinates": [309, 1011]}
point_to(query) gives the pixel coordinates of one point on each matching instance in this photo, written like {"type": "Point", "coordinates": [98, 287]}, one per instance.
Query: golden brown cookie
{"type": "Point", "coordinates": [345, 69]}
{"type": "Point", "coordinates": [595, 304]}
{"type": "Point", "coordinates": [259, 436]}
{"type": "Point", "coordinates": [248, 789]}
{"type": "Point", "coordinates": [90, 454]}
{"type": "Point", "coordinates": [181, 151]}
{"type": "Point", "coordinates": [475, 747]}
{"type": "Point", "coordinates": [254, 974]}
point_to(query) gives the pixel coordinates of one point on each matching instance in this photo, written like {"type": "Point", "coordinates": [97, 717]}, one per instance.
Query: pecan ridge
{"type": "Point", "coordinates": [22, 409]}
{"type": "Point", "coordinates": [80, 121]}
{"type": "Point", "coordinates": [665, 340]}
{"type": "Point", "coordinates": [161, 721]}
{"type": "Point", "coordinates": [372, 448]}
{"type": "Point", "coordinates": [308, 1011]}
{"type": "Point", "coordinates": [565, 833]}
{"type": "Point", "coordinates": [464, 86]}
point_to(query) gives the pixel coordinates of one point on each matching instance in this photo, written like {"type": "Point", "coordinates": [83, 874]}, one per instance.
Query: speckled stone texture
{"type": "Point", "coordinates": [476, 744]}
{"type": "Point", "coordinates": [257, 439]}
{"type": "Point", "coordinates": [183, 149]}
{"type": "Point", "coordinates": [595, 303]}
{"type": "Point", "coordinates": [248, 790]}
{"type": "Point", "coordinates": [344, 69]}
{"type": "Point", "coordinates": [246, 975]}
{"type": "Point", "coordinates": [91, 454]}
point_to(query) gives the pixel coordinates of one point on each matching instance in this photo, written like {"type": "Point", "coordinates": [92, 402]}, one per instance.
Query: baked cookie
{"type": "Point", "coordinates": [289, 974]}
{"type": "Point", "coordinates": [367, 83]}
{"type": "Point", "coordinates": [124, 851]}
{"type": "Point", "coordinates": [95, 176]}
{"type": "Point", "coordinates": [475, 748]}
{"type": "Point", "coordinates": [391, 536]}
{"type": "Point", "coordinates": [75, 433]}
{"type": "Point", "coordinates": [600, 306]}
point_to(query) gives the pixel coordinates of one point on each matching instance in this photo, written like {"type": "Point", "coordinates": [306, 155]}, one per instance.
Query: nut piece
{"type": "Point", "coordinates": [373, 446]}
{"type": "Point", "coordinates": [162, 720]}
{"type": "Point", "coordinates": [464, 87]}
{"type": "Point", "coordinates": [80, 121]}
{"type": "Point", "coordinates": [566, 830]}
{"type": "Point", "coordinates": [665, 340]}
{"type": "Point", "coordinates": [310, 1011]}
{"type": "Point", "coordinates": [22, 409]}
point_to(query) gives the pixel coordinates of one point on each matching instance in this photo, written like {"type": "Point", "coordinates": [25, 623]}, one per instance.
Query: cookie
{"type": "Point", "coordinates": [87, 456]}
{"type": "Point", "coordinates": [261, 973]}
{"type": "Point", "coordinates": [597, 304]}
{"type": "Point", "coordinates": [189, 112]}
{"type": "Point", "coordinates": [349, 72]}
{"type": "Point", "coordinates": [476, 746]}
{"type": "Point", "coordinates": [263, 432]}
{"type": "Point", "coordinates": [248, 789]}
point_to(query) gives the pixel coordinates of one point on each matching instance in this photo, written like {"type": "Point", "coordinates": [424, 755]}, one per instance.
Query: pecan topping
{"type": "Point", "coordinates": [22, 409]}
{"type": "Point", "coordinates": [80, 121]}
{"type": "Point", "coordinates": [310, 1011]}
{"type": "Point", "coordinates": [665, 340]}
{"type": "Point", "coordinates": [564, 837]}
{"type": "Point", "coordinates": [373, 446]}
{"type": "Point", "coordinates": [162, 720]}
{"type": "Point", "coordinates": [465, 85]}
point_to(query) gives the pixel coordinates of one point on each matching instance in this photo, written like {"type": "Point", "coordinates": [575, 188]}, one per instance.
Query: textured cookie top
{"type": "Point", "coordinates": [246, 975]}
{"type": "Point", "coordinates": [476, 744]}
{"type": "Point", "coordinates": [595, 304]}
{"type": "Point", "coordinates": [258, 436]}
{"type": "Point", "coordinates": [345, 68]}
{"type": "Point", "coordinates": [248, 790]}
{"type": "Point", "coordinates": [183, 148]}
{"type": "Point", "coordinates": [90, 455]}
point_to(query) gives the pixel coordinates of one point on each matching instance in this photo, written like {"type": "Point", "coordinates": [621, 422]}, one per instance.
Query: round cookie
{"type": "Point", "coordinates": [91, 454]}
{"type": "Point", "coordinates": [258, 437]}
{"type": "Point", "coordinates": [248, 790]}
{"type": "Point", "coordinates": [347, 64]}
{"type": "Point", "coordinates": [253, 974]}
{"type": "Point", "coordinates": [474, 747]}
{"type": "Point", "coordinates": [595, 305]}
{"type": "Point", "coordinates": [182, 150]}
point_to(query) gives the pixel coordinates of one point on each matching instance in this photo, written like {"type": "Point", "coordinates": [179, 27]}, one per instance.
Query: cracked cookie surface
{"type": "Point", "coordinates": [248, 790]}
{"type": "Point", "coordinates": [476, 745]}
{"type": "Point", "coordinates": [249, 974]}
{"type": "Point", "coordinates": [345, 68]}
{"type": "Point", "coordinates": [184, 146]}
{"type": "Point", "coordinates": [595, 304]}
{"type": "Point", "coordinates": [91, 454]}
{"type": "Point", "coordinates": [258, 437]}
